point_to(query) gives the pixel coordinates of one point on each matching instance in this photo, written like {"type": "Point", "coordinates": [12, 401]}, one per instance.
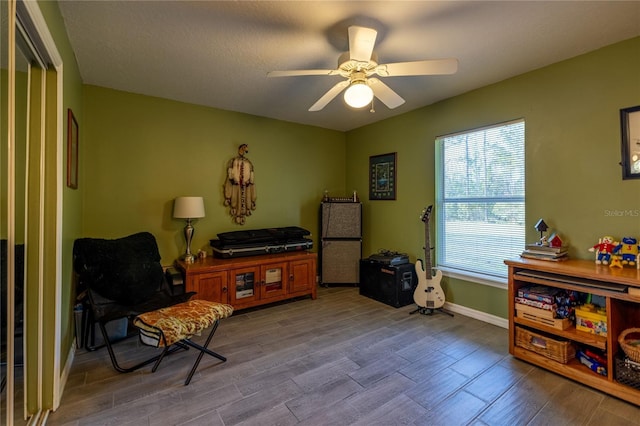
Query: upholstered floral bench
{"type": "Point", "coordinates": [177, 324]}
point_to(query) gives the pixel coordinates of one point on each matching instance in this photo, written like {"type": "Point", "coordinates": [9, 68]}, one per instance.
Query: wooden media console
{"type": "Point", "coordinates": [246, 282]}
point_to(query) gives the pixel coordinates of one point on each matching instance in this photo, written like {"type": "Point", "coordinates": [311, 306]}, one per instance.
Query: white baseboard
{"type": "Point", "coordinates": [479, 315]}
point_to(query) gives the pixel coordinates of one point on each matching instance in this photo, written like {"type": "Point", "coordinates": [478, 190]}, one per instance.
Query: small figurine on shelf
{"type": "Point", "coordinates": [615, 261]}
{"type": "Point", "coordinates": [604, 249]}
{"type": "Point", "coordinates": [541, 226]}
{"type": "Point", "coordinates": [555, 240]}
{"type": "Point", "coordinates": [547, 247]}
{"type": "Point", "coordinates": [628, 250]}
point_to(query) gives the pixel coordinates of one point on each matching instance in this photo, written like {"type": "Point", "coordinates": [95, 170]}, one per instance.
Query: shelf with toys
{"type": "Point", "coordinates": [555, 345]}
{"type": "Point", "coordinates": [580, 318]}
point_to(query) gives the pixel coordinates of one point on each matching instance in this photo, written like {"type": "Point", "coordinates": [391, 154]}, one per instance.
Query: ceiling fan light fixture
{"type": "Point", "coordinates": [358, 94]}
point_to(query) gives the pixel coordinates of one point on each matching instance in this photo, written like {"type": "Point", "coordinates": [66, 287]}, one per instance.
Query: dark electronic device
{"type": "Point", "coordinates": [391, 258]}
{"type": "Point", "coordinates": [175, 280]}
{"type": "Point", "coordinates": [389, 284]}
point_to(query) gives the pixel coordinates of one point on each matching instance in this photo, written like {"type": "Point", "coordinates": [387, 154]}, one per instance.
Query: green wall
{"type": "Point", "coordinates": [140, 152]}
{"type": "Point", "coordinates": [573, 145]}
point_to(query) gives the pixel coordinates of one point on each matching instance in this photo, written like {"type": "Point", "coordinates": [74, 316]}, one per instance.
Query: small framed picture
{"type": "Point", "coordinates": [630, 130]}
{"type": "Point", "coordinates": [72, 150]}
{"type": "Point", "coordinates": [382, 177]}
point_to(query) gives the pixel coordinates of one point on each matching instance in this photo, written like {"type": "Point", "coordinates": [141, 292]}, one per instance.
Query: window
{"type": "Point", "coordinates": [480, 195]}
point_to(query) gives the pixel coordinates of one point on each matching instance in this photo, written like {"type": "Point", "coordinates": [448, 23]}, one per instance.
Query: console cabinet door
{"type": "Point", "coordinates": [210, 286]}
{"type": "Point", "coordinates": [274, 279]}
{"type": "Point", "coordinates": [301, 276]}
{"type": "Point", "coordinates": [244, 286]}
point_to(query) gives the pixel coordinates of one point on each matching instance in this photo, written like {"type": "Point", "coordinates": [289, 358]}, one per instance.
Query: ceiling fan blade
{"type": "Point", "coordinates": [301, 72]}
{"type": "Point", "coordinates": [427, 67]}
{"type": "Point", "coordinates": [383, 92]}
{"type": "Point", "coordinates": [361, 42]}
{"type": "Point", "coordinates": [328, 97]}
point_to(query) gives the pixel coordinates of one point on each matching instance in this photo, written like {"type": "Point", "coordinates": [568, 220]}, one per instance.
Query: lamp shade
{"type": "Point", "coordinates": [358, 95]}
{"type": "Point", "coordinates": [188, 207]}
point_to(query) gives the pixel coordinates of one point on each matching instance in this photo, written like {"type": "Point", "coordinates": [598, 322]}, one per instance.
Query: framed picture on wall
{"type": "Point", "coordinates": [72, 150]}
{"type": "Point", "coordinates": [630, 129]}
{"type": "Point", "coordinates": [382, 177]}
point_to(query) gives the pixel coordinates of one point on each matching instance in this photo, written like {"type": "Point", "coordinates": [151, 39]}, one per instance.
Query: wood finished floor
{"type": "Point", "coordinates": [342, 359]}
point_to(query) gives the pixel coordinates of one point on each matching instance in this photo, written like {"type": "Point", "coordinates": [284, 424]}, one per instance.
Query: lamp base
{"type": "Point", "coordinates": [188, 235]}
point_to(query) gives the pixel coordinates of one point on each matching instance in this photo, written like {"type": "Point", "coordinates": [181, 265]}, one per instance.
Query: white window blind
{"type": "Point", "coordinates": [480, 199]}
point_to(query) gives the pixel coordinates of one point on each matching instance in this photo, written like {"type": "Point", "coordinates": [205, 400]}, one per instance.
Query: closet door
{"type": "Point", "coordinates": [31, 213]}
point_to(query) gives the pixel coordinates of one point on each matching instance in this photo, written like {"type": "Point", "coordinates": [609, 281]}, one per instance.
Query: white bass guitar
{"type": "Point", "coordinates": [428, 293]}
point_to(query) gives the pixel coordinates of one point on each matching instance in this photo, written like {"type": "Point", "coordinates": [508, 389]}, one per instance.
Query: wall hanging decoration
{"type": "Point", "coordinates": [72, 150]}
{"type": "Point", "coordinates": [382, 177]}
{"type": "Point", "coordinates": [239, 186]}
{"type": "Point", "coordinates": [630, 129]}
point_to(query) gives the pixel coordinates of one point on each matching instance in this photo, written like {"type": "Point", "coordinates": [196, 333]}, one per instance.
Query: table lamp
{"type": "Point", "coordinates": [188, 208]}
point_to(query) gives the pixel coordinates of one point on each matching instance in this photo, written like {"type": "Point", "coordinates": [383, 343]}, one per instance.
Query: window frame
{"type": "Point", "coordinates": [480, 277]}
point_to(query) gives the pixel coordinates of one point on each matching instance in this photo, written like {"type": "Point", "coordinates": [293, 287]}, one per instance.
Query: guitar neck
{"type": "Point", "coordinates": [427, 250]}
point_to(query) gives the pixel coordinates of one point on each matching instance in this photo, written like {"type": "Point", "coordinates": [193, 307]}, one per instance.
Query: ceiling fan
{"type": "Point", "coordinates": [360, 63]}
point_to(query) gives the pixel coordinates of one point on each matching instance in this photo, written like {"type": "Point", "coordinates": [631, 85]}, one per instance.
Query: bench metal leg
{"type": "Point", "coordinates": [203, 349]}
{"type": "Point", "coordinates": [120, 369]}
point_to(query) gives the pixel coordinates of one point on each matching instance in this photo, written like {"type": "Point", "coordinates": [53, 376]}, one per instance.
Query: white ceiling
{"type": "Point", "coordinates": [218, 53]}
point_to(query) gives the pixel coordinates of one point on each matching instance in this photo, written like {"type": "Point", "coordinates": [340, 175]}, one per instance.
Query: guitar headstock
{"type": "Point", "coordinates": [426, 213]}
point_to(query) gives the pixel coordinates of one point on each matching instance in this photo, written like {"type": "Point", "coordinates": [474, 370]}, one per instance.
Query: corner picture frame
{"type": "Point", "coordinates": [72, 150]}
{"type": "Point", "coordinates": [630, 131]}
{"type": "Point", "coordinates": [382, 176]}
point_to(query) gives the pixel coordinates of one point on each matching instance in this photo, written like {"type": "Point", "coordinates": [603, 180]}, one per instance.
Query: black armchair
{"type": "Point", "coordinates": [121, 278]}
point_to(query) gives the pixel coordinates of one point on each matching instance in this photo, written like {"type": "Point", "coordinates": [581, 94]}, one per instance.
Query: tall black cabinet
{"type": "Point", "coordinates": [341, 242]}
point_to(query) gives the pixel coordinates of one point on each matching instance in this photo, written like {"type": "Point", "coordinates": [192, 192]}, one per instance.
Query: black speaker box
{"type": "Point", "coordinates": [392, 285]}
